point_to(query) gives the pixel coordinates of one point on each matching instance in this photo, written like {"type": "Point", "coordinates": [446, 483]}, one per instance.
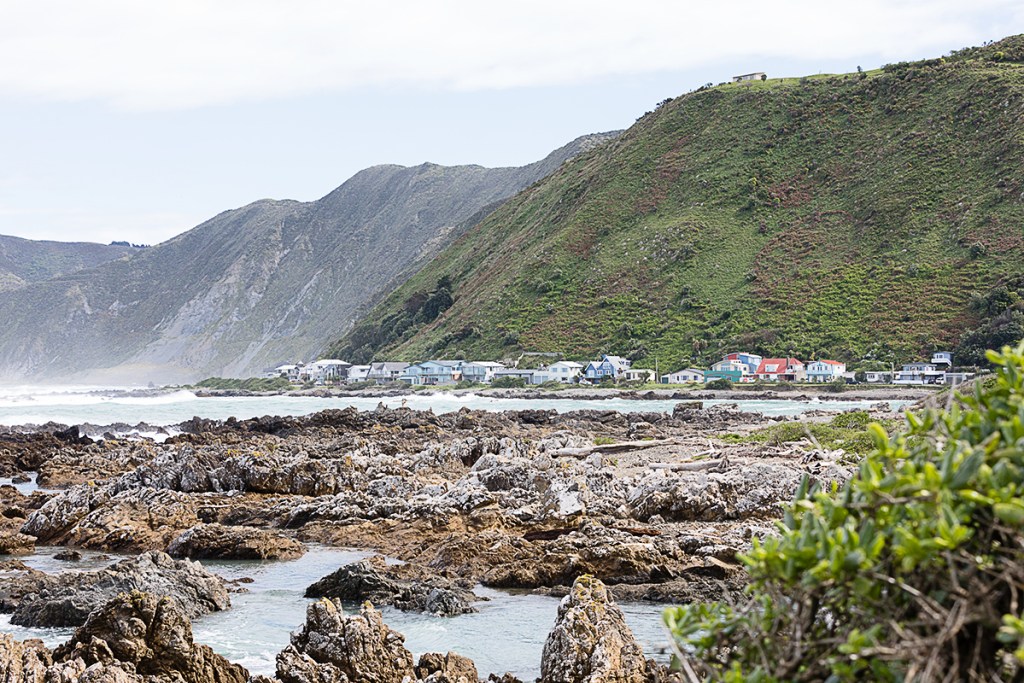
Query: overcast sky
{"type": "Point", "coordinates": [129, 120]}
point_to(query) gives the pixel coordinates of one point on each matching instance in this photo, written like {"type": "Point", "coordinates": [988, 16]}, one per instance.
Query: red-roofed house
{"type": "Point", "coordinates": [825, 370]}
{"type": "Point", "coordinates": [776, 369]}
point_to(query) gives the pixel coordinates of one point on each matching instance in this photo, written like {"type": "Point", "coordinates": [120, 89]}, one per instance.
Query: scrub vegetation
{"type": "Point", "coordinates": [910, 572]}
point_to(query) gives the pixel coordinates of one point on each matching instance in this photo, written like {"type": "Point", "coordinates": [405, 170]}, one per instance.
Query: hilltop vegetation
{"type": "Point", "coordinates": [844, 216]}
{"type": "Point", "coordinates": [26, 261]}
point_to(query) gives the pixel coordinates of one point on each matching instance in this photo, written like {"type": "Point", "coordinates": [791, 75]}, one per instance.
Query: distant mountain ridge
{"type": "Point", "coordinates": [254, 286]}
{"type": "Point", "coordinates": [876, 214]}
{"type": "Point", "coordinates": [24, 261]}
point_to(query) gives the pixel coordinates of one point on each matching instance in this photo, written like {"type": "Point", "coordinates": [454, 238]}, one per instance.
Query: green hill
{"type": "Point", "coordinates": [839, 216]}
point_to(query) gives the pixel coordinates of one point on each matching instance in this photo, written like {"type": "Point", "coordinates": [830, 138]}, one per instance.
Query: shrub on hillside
{"type": "Point", "coordinates": [911, 571]}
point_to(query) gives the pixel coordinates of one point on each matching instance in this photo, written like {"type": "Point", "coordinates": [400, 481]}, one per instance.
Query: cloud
{"type": "Point", "coordinates": [194, 53]}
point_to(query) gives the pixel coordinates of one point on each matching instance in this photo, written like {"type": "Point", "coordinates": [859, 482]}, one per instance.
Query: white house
{"type": "Point", "coordinates": [564, 371]}
{"type": "Point", "coordinates": [296, 373]}
{"type": "Point", "coordinates": [481, 370]}
{"type": "Point", "coordinates": [514, 373]}
{"type": "Point", "coordinates": [943, 360]}
{"type": "Point", "coordinates": [280, 371]}
{"type": "Point", "coordinates": [386, 371]}
{"type": "Point", "coordinates": [640, 375]}
{"type": "Point", "coordinates": [825, 370]}
{"type": "Point", "coordinates": [877, 377]}
{"type": "Point", "coordinates": [756, 76]}
{"type": "Point", "coordinates": [324, 371]}
{"type": "Point", "coordinates": [358, 373]}
{"type": "Point", "coordinates": [920, 373]}
{"type": "Point", "coordinates": [683, 376]}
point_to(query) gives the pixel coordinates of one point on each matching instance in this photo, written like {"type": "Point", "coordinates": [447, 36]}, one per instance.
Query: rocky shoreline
{"type": "Point", "coordinates": [653, 506]}
{"type": "Point", "coordinates": [803, 392]}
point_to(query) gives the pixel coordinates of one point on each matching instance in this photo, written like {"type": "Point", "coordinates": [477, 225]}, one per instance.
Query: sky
{"type": "Point", "coordinates": [128, 120]}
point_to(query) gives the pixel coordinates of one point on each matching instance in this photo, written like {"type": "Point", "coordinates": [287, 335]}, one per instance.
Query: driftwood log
{"type": "Point", "coordinates": [716, 465]}
{"type": "Point", "coordinates": [611, 448]}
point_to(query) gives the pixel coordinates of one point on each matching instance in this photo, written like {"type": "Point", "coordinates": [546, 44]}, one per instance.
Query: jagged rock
{"type": "Point", "coordinates": [150, 636]}
{"type": "Point", "coordinates": [113, 518]}
{"type": "Point", "coordinates": [233, 542]}
{"type": "Point", "coordinates": [446, 668]}
{"type": "Point", "coordinates": [68, 556]}
{"type": "Point", "coordinates": [17, 544]}
{"type": "Point", "coordinates": [407, 587]}
{"type": "Point", "coordinates": [591, 642]}
{"type": "Point", "coordinates": [752, 491]}
{"type": "Point", "coordinates": [23, 662]}
{"type": "Point", "coordinates": [67, 599]}
{"type": "Point", "coordinates": [334, 648]}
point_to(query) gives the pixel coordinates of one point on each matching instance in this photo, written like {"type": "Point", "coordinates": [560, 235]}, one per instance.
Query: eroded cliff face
{"type": "Point", "coordinates": [255, 286]}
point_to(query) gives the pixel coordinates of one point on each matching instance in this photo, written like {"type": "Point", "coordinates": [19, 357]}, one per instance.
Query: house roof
{"type": "Point", "coordinates": [388, 366]}
{"type": "Point", "coordinates": [617, 361]}
{"type": "Point", "coordinates": [775, 366]}
{"type": "Point", "coordinates": [833, 362]}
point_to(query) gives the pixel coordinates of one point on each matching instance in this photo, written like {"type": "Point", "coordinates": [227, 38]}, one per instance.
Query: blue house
{"type": "Point", "coordinates": [609, 367]}
{"type": "Point", "coordinates": [433, 372]}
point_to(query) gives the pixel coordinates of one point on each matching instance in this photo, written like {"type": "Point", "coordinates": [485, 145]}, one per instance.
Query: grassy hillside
{"type": "Point", "coordinates": [843, 216]}
{"type": "Point", "coordinates": [23, 262]}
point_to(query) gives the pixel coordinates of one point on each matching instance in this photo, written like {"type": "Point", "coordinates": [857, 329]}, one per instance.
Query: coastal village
{"type": "Point", "coordinates": [734, 368]}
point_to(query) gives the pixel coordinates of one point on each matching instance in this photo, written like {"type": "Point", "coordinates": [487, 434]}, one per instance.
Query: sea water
{"type": "Point", "coordinates": [104, 406]}
{"type": "Point", "coordinates": [506, 634]}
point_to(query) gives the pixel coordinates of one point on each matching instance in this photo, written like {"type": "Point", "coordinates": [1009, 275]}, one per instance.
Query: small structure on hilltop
{"type": "Point", "coordinates": [756, 76]}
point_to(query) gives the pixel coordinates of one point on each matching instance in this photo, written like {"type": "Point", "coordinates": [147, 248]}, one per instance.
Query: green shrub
{"type": "Point", "coordinates": [852, 419]}
{"type": "Point", "coordinates": [719, 384]}
{"type": "Point", "coordinates": [509, 383]}
{"type": "Point", "coordinates": [911, 571]}
{"type": "Point", "coordinates": [250, 384]}
{"type": "Point", "coordinates": [836, 386]}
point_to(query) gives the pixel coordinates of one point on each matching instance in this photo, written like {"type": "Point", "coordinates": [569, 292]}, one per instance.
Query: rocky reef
{"type": "Point", "coordinates": [644, 506]}
{"type": "Point", "coordinates": [67, 599]}
{"type": "Point", "coordinates": [137, 636]}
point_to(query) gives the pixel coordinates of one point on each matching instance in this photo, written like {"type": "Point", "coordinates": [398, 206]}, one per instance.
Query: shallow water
{"type": "Point", "coordinates": [77, 405]}
{"type": "Point", "coordinates": [507, 634]}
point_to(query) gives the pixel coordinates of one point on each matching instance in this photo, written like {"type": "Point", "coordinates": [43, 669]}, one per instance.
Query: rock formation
{"type": "Point", "coordinates": [67, 599]}
{"type": "Point", "coordinates": [134, 638]}
{"type": "Point", "coordinates": [334, 648]}
{"type": "Point", "coordinates": [216, 541]}
{"type": "Point", "coordinates": [591, 642]}
{"type": "Point", "coordinates": [407, 587]}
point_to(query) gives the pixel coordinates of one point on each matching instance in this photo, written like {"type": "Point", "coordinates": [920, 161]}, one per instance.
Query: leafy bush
{"type": "Point", "coordinates": [250, 384]}
{"type": "Point", "coordinates": [911, 571]}
{"type": "Point", "coordinates": [509, 383]}
{"type": "Point", "coordinates": [836, 386]}
{"type": "Point", "coordinates": [852, 419]}
{"type": "Point", "coordinates": [719, 384]}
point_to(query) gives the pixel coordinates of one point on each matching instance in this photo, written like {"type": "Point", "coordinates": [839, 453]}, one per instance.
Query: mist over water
{"type": "Point", "coordinates": [107, 405]}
